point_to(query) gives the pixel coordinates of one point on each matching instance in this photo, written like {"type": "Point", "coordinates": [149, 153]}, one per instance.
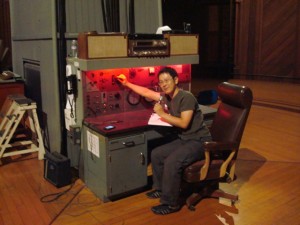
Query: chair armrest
{"type": "Point", "coordinates": [213, 146]}
{"type": "Point", "coordinates": [219, 146]}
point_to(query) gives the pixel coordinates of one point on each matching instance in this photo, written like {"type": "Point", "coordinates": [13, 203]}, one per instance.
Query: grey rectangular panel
{"type": "Point", "coordinates": [118, 168]}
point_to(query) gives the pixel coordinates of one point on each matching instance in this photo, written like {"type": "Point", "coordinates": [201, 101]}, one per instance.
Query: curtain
{"type": "Point", "coordinates": [111, 18]}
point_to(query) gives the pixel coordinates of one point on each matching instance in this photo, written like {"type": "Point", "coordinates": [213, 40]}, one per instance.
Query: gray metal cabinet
{"type": "Point", "coordinates": [114, 166]}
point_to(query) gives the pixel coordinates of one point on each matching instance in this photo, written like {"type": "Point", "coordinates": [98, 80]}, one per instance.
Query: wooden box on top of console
{"type": "Point", "coordinates": [92, 45]}
{"type": "Point", "coordinates": [183, 44]}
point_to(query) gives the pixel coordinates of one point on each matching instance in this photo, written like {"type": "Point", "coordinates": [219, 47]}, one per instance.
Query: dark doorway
{"type": "Point", "coordinates": [32, 77]}
{"type": "Point", "coordinates": [213, 20]}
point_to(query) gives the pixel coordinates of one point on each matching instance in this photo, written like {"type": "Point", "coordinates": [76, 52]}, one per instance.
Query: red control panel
{"type": "Point", "coordinates": [103, 95]}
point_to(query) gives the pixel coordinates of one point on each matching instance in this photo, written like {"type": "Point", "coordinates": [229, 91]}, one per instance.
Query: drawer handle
{"type": "Point", "coordinates": [142, 159]}
{"type": "Point", "coordinates": [129, 144]}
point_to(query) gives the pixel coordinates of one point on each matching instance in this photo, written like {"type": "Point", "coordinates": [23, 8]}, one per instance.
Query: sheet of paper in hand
{"type": "Point", "coordinates": [156, 120]}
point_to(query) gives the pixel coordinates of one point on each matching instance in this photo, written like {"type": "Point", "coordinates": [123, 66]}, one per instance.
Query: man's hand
{"type": "Point", "coordinates": [158, 109]}
{"type": "Point", "coordinates": [122, 79]}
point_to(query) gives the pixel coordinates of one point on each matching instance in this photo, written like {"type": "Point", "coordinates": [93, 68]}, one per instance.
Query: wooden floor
{"type": "Point", "coordinates": [268, 181]}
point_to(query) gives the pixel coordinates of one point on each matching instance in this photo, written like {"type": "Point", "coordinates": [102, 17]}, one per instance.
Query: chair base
{"type": "Point", "coordinates": [211, 191]}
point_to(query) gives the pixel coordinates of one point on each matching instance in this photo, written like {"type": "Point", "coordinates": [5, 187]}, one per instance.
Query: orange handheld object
{"type": "Point", "coordinates": [121, 77]}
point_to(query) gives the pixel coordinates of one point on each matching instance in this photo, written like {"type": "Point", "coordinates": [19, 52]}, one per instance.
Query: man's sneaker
{"type": "Point", "coordinates": [154, 194]}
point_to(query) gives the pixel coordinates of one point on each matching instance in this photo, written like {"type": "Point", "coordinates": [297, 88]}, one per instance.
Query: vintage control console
{"type": "Point", "coordinates": [103, 95]}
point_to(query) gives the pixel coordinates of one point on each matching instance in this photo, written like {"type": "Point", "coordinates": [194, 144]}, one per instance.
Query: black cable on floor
{"type": "Point", "coordinates": [55, 196]}
{"type": "Point", "coordinates": [61, 211]}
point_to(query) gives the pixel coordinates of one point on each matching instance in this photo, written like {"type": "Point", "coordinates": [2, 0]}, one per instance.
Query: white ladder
{"type": "Point", "coordinates": [15, 109]}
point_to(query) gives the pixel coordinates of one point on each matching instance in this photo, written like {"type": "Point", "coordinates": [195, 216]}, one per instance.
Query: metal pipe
{"type": "Point", "coordinates": [61, 61]}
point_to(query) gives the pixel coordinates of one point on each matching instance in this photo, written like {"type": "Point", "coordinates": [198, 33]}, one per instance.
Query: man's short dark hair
{"type": "Point", "coordinates": [168, 70]}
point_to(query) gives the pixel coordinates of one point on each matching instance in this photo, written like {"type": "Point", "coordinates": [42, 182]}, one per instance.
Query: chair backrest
{"type": "Point", "coordinates": [230, 119]}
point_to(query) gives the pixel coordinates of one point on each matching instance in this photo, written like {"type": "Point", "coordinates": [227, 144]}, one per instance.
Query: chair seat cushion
{"type": "Point", "coordinates": [192, 172]}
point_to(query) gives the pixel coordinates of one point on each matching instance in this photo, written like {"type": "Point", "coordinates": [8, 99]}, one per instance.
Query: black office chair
{"type": "Point", "coordinates": [221, 153]}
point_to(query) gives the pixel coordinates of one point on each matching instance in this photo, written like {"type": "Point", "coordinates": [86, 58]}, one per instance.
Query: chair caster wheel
{"type": "Point", "coordinates": [233, 202]}
{"type": "Point", "coordinates": [228, 180]}
{"type": "Point", "coordinates": [192, 208]}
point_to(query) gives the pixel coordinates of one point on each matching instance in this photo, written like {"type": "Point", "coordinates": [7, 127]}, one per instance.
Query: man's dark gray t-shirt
{"type": "Point", "coordinates": [185, 101]}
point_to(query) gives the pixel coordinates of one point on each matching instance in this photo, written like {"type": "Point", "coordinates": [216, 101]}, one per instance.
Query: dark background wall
{"type": "Point", "coordinates": [5, 31]}
{"type": "Point", "coordinates": [213, 20]}
{"type": "Point", "coordinates": [248, 39]}
{"type": "Point", "coordinates": [267, 40]}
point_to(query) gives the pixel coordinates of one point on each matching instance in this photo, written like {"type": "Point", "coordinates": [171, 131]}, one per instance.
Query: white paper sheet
{"type": "Point", "coordinates": [93, 144]}
{"type": "Point", "coordinates": [156, 120]}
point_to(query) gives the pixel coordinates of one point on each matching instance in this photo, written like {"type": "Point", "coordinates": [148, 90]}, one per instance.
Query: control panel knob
{"type": "Point", "coordinates": [118, 96]}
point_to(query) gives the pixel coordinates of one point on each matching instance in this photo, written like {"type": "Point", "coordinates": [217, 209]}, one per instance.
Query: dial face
{"type": "Point", "coordinates": [133, 98]}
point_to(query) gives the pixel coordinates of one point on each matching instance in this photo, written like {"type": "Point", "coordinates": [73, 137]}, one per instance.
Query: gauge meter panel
{"type": "Point", "coordinates": [133, 98]}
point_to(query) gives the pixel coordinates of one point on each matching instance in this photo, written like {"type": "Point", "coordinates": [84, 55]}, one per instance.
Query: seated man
{"type": "Point", "coordinates": [179, 108]}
